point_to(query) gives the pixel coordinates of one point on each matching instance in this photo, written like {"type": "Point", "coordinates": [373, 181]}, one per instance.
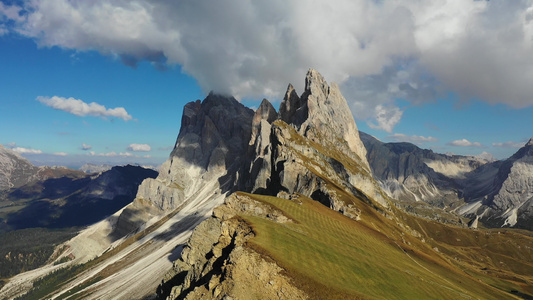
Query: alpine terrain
{"type": "Point", "coordinates": [298, 204]}
{"type": "Point", "coordinates": [496, 193]}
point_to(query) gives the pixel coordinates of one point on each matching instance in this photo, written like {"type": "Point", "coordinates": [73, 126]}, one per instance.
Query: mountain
{"type": "Point", "coordinates": [496, 193]}
{"type": "Point", "coordinates": [283, 205]}
{"type": "Point", "coordinates": [16, 171]}
{"type": "Point", "coordinates": [74, 200]}
{"type": "Point", "coordinates": [501, 193]}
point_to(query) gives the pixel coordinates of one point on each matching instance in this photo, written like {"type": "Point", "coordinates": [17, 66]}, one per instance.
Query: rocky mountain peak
{"type": "Point", "coordinates": [525, 151]}
{"type": "Point", "coordinates": [291, 107]}
{"type": "Point", "coordinates": [322, 114]}
{"type": "Point", "coordinates": [218, 122]}
{"type": "Point", "coordinates": [315, 83]}
{"type": "Point", "coordinates": [15, 170]}
{"type": "Point", "coordinates": [209, 150]}
{"type": "Point", "coordinates": [265, 113]}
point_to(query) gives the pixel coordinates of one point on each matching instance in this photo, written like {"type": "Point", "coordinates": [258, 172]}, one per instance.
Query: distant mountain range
{"type": "Point", "coordinates": [496, 193]}
{"type": "Point", "coordinates": [57, 197]}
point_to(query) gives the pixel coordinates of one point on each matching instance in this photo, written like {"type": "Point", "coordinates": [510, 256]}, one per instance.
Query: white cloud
{"type": "Point", "coordinates": [22, 150]}
{"type": "Point", "coordinates": [386, 117]}
{"type": "Point", "coordinates": [464, 143]}
{"type": "Point", "coordinates": [61, 153]}
{"type": "Point", "coordinates": [79, 108]}
{"type": "Point", "coordinates": [85, 147]}
{"type": "Point", "coordinates": [415, 139]}
{"type": "Point", "coordinates": [398, 48]}
{"type": "Point", "coordinates": [508, 144]}
{"type": "Point", "coordinates": [111, 154]}
{"type": "Point", "coordinates": [139, 147]}
{"type": "Point", "coordinates": [11, 12]}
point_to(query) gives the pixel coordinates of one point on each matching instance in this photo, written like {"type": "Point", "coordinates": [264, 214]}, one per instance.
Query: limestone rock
{"type": "Point", "coordinates": [258, 171]}
{"type": "Point", "coordinates": [322, 114]}
{"type": "Point", "coordinates": [209, 152]}
{"type": "Point", "coordinates": [217, 264]}
{"type": "Point", "coordinates": [308, 168]}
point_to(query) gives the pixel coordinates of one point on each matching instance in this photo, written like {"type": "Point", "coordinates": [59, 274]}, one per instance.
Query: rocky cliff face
{"type": "Point", "coordinates": [501, 193]}
{"type": "Point", "coordinates": [496, 193]}
{"type": "Point", "coordinates": [313, 148]}
{"type": "Point", "coordinates": [322, 115]}
{"type": "Point", "coordinates": [407, 172]}
{"type": "Point", "coordinates": [208, 154]}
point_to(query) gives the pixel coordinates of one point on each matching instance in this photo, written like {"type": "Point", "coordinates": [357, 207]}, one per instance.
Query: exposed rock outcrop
{"type": "Point", "coordinates": [322, 115]}
{"type": "Point", "coordinates": [259, 167]}
{"type": "Point", "coordinates": [501, 193]}
{"type": "Point", "coordinates": [312, 149]}
{"type": "Point", "coordinates": [217, 263]}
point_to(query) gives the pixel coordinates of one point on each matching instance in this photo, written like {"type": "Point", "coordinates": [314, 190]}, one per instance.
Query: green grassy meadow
{"type": "Point", "coordinates": [331, 256]}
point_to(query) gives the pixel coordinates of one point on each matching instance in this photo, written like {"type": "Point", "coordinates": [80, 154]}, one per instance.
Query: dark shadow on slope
{"type": "Point", "coordinates": [321, 197]}
{"type": "Point", "coordinates": [67, 202]}
{"type": "Point", "coordinates": [78, 211]}
{"type": "Point", "coordinates": [176, 253]}
{"type": "Point", "coordinates": [186, 223]}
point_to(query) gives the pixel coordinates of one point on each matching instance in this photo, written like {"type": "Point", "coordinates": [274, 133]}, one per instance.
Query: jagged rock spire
{"type": "Point", "coordinates": [321, 113]}
{"type": "Point", "coordinates": [289, 106]}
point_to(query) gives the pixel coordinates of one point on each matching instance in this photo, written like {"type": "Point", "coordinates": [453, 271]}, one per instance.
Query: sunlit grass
{"type": "Point", "coordinates": [330, 255]}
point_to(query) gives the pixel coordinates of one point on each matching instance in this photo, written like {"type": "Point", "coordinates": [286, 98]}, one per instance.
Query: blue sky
{"type": "Point", "coordinates": [449, 76]}
{"type": "Point", "coordinates": [153, 98]}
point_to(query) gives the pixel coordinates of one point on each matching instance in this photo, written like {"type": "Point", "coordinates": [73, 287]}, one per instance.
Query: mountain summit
{"type": "Point", "coordinates": [322, 114]}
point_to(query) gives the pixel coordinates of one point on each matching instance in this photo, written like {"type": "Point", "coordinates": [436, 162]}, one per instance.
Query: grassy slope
{"type": "Point", "coordinates": [332, 256]}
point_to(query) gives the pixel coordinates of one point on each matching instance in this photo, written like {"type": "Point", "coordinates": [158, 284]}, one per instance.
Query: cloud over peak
{"type": "Point", "coordinates": [377, 51]}
{"type": "Point", "coordinates": [80, 108]}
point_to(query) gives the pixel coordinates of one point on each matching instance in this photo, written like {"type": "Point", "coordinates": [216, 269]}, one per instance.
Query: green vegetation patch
{"type": "Point", "coordinates": [329, 255]}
